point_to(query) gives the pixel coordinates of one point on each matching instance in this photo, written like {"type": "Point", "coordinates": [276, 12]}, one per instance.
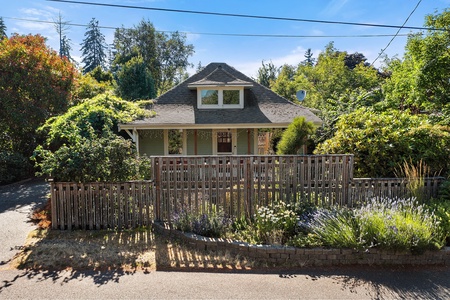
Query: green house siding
{"type": "Point", "coordinates": [151, 142]}
{"type": "Point", "coordinates": [190, 147]}
{"type": "Point", "coordinates": [204, 142]}
{"type": "Point", "coordinates": [242, 142]}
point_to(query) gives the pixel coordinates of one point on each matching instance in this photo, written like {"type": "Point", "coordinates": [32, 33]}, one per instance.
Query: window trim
{"type": "Point", "coordinates": [220, 104]}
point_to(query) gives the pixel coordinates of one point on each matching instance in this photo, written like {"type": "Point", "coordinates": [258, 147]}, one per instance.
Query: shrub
{"type": "Point", "coordinates": [274, 224]}
{"type": "Point", "coordinates": [110, 158]}
{"type": "Point", "coordinates": [441, 208]}
{"type": "Point", "coordinates": [399, 224]}
{"type": "Point", "coordinates": [13, 167]}
{"type": "Point", "coordinates": [213, 224]}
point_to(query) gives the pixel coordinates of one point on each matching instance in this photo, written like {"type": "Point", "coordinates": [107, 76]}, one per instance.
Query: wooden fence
{"type": "Point", "coordinates": [239, 184]}
{"type": "Point", "coordinates": [235, 184]}
{"type": "Point", "coordinates": [101, 205]}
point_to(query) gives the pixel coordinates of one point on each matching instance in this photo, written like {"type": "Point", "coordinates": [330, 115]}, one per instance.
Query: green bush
{"type": "Point", "coordinates": [13, 167]}
{"type": "Point", "coordinates": [441, 208]}
{"type": "Point", "coordinates": [274, 224]}
{"type": "Point", "coordinates": [399, 225]}
{"type": "Point", "coordinates": [110, 158]}
{"type": "Point", "coordinates": [213, 224]}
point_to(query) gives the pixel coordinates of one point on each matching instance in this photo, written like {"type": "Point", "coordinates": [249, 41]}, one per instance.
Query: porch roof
{"type": "Point", "coordinates": [262, 107]}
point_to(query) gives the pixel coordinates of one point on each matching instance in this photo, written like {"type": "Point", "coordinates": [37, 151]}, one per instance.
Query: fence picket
{"type": "Point", "coordinates": [236, 184]}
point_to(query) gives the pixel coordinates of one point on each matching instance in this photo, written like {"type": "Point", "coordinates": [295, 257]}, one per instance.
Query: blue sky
{"type": "Point", "coordinates": [243, 53]}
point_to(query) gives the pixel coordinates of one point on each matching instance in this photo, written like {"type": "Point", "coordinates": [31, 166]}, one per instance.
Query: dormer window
{"type": "Point", "coordinates": [220, 97]}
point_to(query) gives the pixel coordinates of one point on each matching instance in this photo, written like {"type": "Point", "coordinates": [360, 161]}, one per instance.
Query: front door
{"type": "Point", "coordinates": [224, 142]}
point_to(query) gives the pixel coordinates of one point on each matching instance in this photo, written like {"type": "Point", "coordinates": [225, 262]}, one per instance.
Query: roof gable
{"type": "Point", "coordinates": [220, 77]}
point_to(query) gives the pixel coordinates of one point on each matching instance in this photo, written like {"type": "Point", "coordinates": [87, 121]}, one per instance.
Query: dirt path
{"type": "Point", "coordinates": [16, 202]}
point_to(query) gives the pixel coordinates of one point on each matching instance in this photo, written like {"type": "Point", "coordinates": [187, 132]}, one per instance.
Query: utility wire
{"type": "Point", "coordinates": [224, 34]}
{"type": "Point", "coordinates": [245, 15]}
{"type": "Point", "coordinates": [396, 34]}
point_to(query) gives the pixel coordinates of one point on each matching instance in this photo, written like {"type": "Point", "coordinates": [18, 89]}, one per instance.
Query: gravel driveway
{"type": "Point", "coordinates": [16, 203]}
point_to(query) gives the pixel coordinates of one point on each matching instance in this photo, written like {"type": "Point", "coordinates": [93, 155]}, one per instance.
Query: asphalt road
{"type": "Point", "coordinates": [16, 202]}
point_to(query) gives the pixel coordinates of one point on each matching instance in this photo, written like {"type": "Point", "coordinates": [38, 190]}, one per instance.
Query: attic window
{"type": "Point", "coordinates": [220, 97]}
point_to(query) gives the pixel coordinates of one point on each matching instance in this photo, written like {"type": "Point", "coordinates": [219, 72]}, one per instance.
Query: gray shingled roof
{"type": "Point", "coordinates": [261, 105]}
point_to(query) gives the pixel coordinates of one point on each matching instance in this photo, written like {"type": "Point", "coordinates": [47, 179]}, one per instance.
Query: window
{"type": "Point", "coordinates": [230, 97]}
{"type": "Point", "coordinates": [210, 97]}
{"type": "Point", "coordinates": [224, 142]}
{"type": "Point", "coordinates": [225, 97]}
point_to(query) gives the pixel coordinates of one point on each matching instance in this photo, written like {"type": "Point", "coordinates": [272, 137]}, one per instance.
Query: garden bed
{"type": "Point", "coordinates": [302, 257]}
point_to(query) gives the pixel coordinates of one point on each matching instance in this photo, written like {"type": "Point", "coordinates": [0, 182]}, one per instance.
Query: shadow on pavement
{"type": "Point", "coordinates": [29, 192]}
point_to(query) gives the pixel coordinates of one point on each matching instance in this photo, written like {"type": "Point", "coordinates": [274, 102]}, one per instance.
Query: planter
{"type": "Point", "coordinates": [302, 257]}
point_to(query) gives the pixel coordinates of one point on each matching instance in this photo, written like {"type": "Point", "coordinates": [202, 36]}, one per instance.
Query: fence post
{"type": "Point", "coordinates": [157, 187]}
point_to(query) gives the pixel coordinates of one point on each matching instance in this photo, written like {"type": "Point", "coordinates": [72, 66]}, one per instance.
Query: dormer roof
{"type": "Point", "coordinates": [220, 77]}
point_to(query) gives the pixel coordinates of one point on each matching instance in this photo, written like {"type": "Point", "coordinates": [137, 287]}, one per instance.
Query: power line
{"type": "Point", "coordinates": [224, 34]}
{"type": "Point", "coordinates": [396, 34]}
{"type": "Point", "coordinates": [245, 15]}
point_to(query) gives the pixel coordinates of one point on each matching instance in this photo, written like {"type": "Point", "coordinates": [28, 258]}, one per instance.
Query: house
{"type": "Point", "coordinates": [217, 111]}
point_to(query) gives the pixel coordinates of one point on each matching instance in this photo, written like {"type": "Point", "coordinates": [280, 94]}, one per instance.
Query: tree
{"type": "Point", "coordinates": [267, 74]}
{"type": "Point", "coordinates": [295, 136]}
{"type": "Point", "coordinates": [134, 81]}
{"type": "Point", "coordinates": [420, 82]}
{"type": "Point", "coordinates": [35, 84]}
{"type": "Point", "coordinates": [93, 47]}
{"type": "Point", "coordinates": [284, 85]}
{"type": "Point", "coordinates": [64, 42]}
{"type": "Point", "coordinates": [165, 56]}
{"type": "Point", "coordinates": [381, 142]}
{"type": "Point", "coordinates": [2, 29]}
{"type": "Point", "coordinates": [309, 60]}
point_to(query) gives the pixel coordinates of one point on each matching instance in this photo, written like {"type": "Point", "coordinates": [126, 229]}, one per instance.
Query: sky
{"type": "Point", "coordinates": [245, 53]}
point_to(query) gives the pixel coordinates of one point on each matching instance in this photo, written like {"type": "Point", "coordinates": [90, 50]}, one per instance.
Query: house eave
{"type": "Point", "coordinates": [201, 126]}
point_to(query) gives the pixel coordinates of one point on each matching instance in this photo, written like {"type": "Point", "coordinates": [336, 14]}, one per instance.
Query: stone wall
{"type": "Point", "coordinates": [285, 256]}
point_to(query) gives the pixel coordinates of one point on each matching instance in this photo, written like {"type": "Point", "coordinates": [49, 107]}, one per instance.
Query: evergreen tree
{"type": "Point", "coordinates": [309, 60]}
{"type": "Point", "coordinates": [93, 47]}
{"type": "Point", "coordinates": [2, 29]}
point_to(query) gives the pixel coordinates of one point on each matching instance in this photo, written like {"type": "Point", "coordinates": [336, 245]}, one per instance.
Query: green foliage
{"type": "Point", "coordinates": [90, 119]}
{"type": "Point", "coordinates": [35, 84]}
{"type": "Point", "coordinates": [13, 167]}
{"type": "Point", "coordinates": [441, 208]}
{"type": "Point", "coordinates": [101, 76]}
{"type": "Point", "coordinates": [88, 87]}
{"type": "Point", "coordinates": [108, 158]}
{"type": "Point", "coordinates": [382, 141]}
{"type": "Point", "coordinates": [165, 56]}
{"type": "Point", "coordinates": [420, 81]}
{"type": "Point", "coordinates": [2, 29]}
{"type": "Point", "coordinates": [284, 84]}
{"type": "Point", "coordinates": [275, 223]}
{"type": "Point", "coordinates": [294, 137]}
{"type": "Point", "coordinates": [399, 225]}
{"type": "Point", "coordinates": [134, 81]}
{"type": "Point", "coordinates": [213, 224]}
{"type": "Point", "coordinates": [81, 145]}
{"type": "Point", "coordinates": [267, 74]}
{"type": "Point", "coordinates": [386, 224]}
{"type": "Point", "coordinates": [335, 228]}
